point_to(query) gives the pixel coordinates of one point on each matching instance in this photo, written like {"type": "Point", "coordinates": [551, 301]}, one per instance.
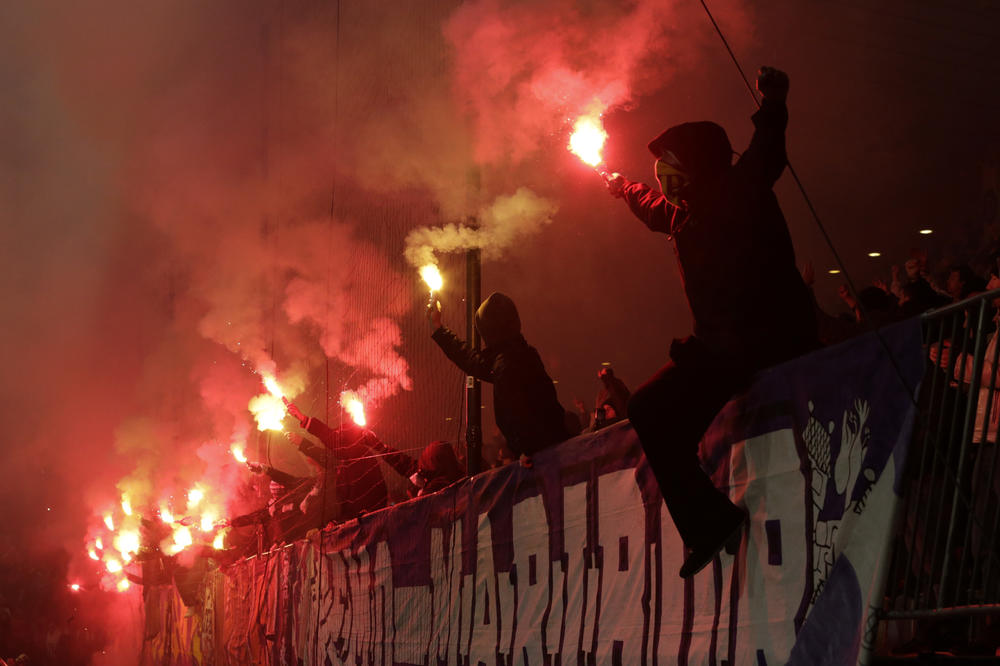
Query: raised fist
{"type": "Point", "coordinates": [772, 83]}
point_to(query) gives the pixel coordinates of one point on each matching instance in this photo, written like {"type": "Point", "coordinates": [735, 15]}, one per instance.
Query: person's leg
{"type": "Point", "coordinates": [670, 413]}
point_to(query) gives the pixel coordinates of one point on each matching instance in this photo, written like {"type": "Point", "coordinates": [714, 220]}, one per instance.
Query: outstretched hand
{"type": "Point", "coordinates": [615, 183]}
{"type": "Point", "coordinates": [772, 83]}
{"type": "Point", "coordinates": [293, 410]}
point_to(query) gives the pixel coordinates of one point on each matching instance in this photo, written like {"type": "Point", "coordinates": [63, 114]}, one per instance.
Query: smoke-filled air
{"type": "Point", "coordinates": [212, 210]}
{"type": "Point", "coordinates": [211, 207]}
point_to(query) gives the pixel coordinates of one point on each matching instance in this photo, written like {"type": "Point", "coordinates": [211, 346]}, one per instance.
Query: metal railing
{"type": "Point", "coordinates": [946, 560]}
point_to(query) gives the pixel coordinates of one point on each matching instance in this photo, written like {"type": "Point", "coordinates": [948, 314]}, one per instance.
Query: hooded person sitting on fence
{"type": "Point", "coordinates": [525, 405]}
{"type": "Point", "coordinates": [750, 306]}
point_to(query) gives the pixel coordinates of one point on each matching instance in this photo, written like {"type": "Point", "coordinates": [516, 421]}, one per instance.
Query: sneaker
{"type": "Point", "coordinates": [728, 533]}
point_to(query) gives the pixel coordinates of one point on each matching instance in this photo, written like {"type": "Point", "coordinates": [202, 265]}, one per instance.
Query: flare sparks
{"type": "Point", "coordinates": [587, 139]}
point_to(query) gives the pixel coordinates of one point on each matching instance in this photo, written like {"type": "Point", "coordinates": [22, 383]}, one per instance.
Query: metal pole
{"type": "Point", "coordinates": [473, 389]}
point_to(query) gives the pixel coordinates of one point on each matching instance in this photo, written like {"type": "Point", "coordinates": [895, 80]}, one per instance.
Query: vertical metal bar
{"type": "Point", "coordinates": [990, 553]}
{"type": "Point", "coordinates": [473, 388]}
{"type": "Point", "coordinates": [931, 543]}
{"type": "Point", "coordinates": [913, 510]}
{"type": "Point", "coordinates": [963, 446]}
{"type": "Point", "coordinates": [975, 521]}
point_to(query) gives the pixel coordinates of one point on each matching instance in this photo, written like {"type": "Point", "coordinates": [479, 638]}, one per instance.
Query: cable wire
{"type": "Point", "coordinates": [815, 215]}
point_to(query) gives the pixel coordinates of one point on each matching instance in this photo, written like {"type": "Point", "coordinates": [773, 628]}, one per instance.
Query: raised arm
{"type": "Point", "coordinates": [463, 355]}
{"type": "Point", "coordinates": [404, 465]}
{"type": "Point", "coordinates": [766, 154]}
{"type": "Point", "coordinates": [650, 206]}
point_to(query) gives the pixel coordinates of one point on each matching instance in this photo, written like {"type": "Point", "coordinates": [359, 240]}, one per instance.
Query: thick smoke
{"type": "Point", "coordinates": [191, 187]}
{"type": "Point", "coordinates": [508, 220]}
{"type": "Point", "coordinates": [524, 70]}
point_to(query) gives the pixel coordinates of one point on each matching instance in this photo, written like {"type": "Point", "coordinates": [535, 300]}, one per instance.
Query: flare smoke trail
{"type": "Point", "coordinates": [510, 219]}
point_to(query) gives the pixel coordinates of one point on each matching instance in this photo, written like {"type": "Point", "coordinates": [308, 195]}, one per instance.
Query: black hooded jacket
{"type": "Point", "coordinates": [732, 243]}
{"type": "Point", "coordinates": [525, 405]}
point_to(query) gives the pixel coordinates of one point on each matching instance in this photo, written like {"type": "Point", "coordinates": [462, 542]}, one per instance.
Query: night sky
{"type": "Point", "coordinates": [193, 190]}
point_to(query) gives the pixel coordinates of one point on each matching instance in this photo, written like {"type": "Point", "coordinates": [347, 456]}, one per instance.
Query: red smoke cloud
{"type": "Point", "coordinates": [523, 70]}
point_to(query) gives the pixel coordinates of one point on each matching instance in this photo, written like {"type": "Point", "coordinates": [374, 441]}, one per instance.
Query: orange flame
{"type": "Point", "coordinates": [92, 554]}
{"type": "Point", "coordinates": [271, 384]}
{"type": "Point", "coordinates": [268, 411]}
{"type": "Point", "coordinates": [237, 450]}
{"type": "Point", "coordinates": [165, 514]}
{"type": "Point", "coordinates": [220, 541]}
{"type": "Point", "coordinates": [123, 585]}
{"type": "Point", "coordinates": [207, 522]}
{"type": "Point", "coordinates": [126, 506]}
{"type": "Point", "coordinates": [127, 541]}
{"type": "Point", "coordinates": [349, 400]}
{"type": "Point", "coordinates": [182, 539]}
{"type": "Point", "coordinates": [109, 522]}
{"type": "Point", "coordinates": [587, 140]}
{"type": "Point", "coordinates": [113, 566]}
{"type": "Point", "coordinates": [195, 496]}
{"type": "Point", "coordinates": [75, 587]}
{"type": "Point", "coordinates": [99, 544]}
{"type": "Point", "coordinates": [432, 277]}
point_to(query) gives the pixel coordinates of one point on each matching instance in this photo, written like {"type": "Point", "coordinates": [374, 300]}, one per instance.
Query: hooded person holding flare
{"type": "Point", "coordinates": [525, 405]}
{"type": "Point", "coordinates": [751, 308]}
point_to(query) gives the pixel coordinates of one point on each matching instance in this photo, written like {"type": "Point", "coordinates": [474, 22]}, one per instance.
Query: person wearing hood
{"type": "Point", "coordinates": [436, 468]}
{"type": "Point", "coordinates": [525, 405]}
{"type": "Point", "coordinates": [346, 456]}
{"type": "Point", "coordinates": [750, 306]}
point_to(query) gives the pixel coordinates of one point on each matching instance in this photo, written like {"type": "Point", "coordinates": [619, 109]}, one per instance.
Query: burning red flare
{"type": "Point", "coordinates": [237, 450]}
{"type": "Point", "coordinates": [587, 140]}
{"type": "Point", "coordinates": [354, 407]}
{"type": "Point", "coordinates": [432, 277]}
{"type": "Point", "coordinates": [271, 384]}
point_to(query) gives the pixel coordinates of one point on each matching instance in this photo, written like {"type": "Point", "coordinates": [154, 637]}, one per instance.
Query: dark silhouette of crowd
{"type": "Point", "coordinates": [912, 290]}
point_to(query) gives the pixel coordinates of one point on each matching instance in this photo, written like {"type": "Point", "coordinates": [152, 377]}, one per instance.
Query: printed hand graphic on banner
{"type": "Point", "coordinates": [854, 436]}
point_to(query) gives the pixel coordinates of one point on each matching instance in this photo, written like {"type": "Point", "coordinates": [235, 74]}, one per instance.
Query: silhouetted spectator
{"type": "Point", "coordinates": [614, 392]}
{"type": "Point", "coordinates": [963, 282]}
{"type": "Point", "coordinates": [525, 405]}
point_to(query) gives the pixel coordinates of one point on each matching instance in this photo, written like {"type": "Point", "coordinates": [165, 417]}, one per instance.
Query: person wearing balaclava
{"type": "Point", "coordinates": [751, 308]}
{"type": "Point", "coordinates": [525, 405]}
{"type": "Point", "coordinates": [435, 469]}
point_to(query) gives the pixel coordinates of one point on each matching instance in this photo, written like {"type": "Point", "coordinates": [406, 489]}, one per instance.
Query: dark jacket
{"type": "Point", "coordinates": [737, 264]}
{"type": "Point", "coordinates": [283, 521]}
{"type": "Point", "coordinates": [359, 484]}
{"type": "Point", "coordinates": [525, 405]}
